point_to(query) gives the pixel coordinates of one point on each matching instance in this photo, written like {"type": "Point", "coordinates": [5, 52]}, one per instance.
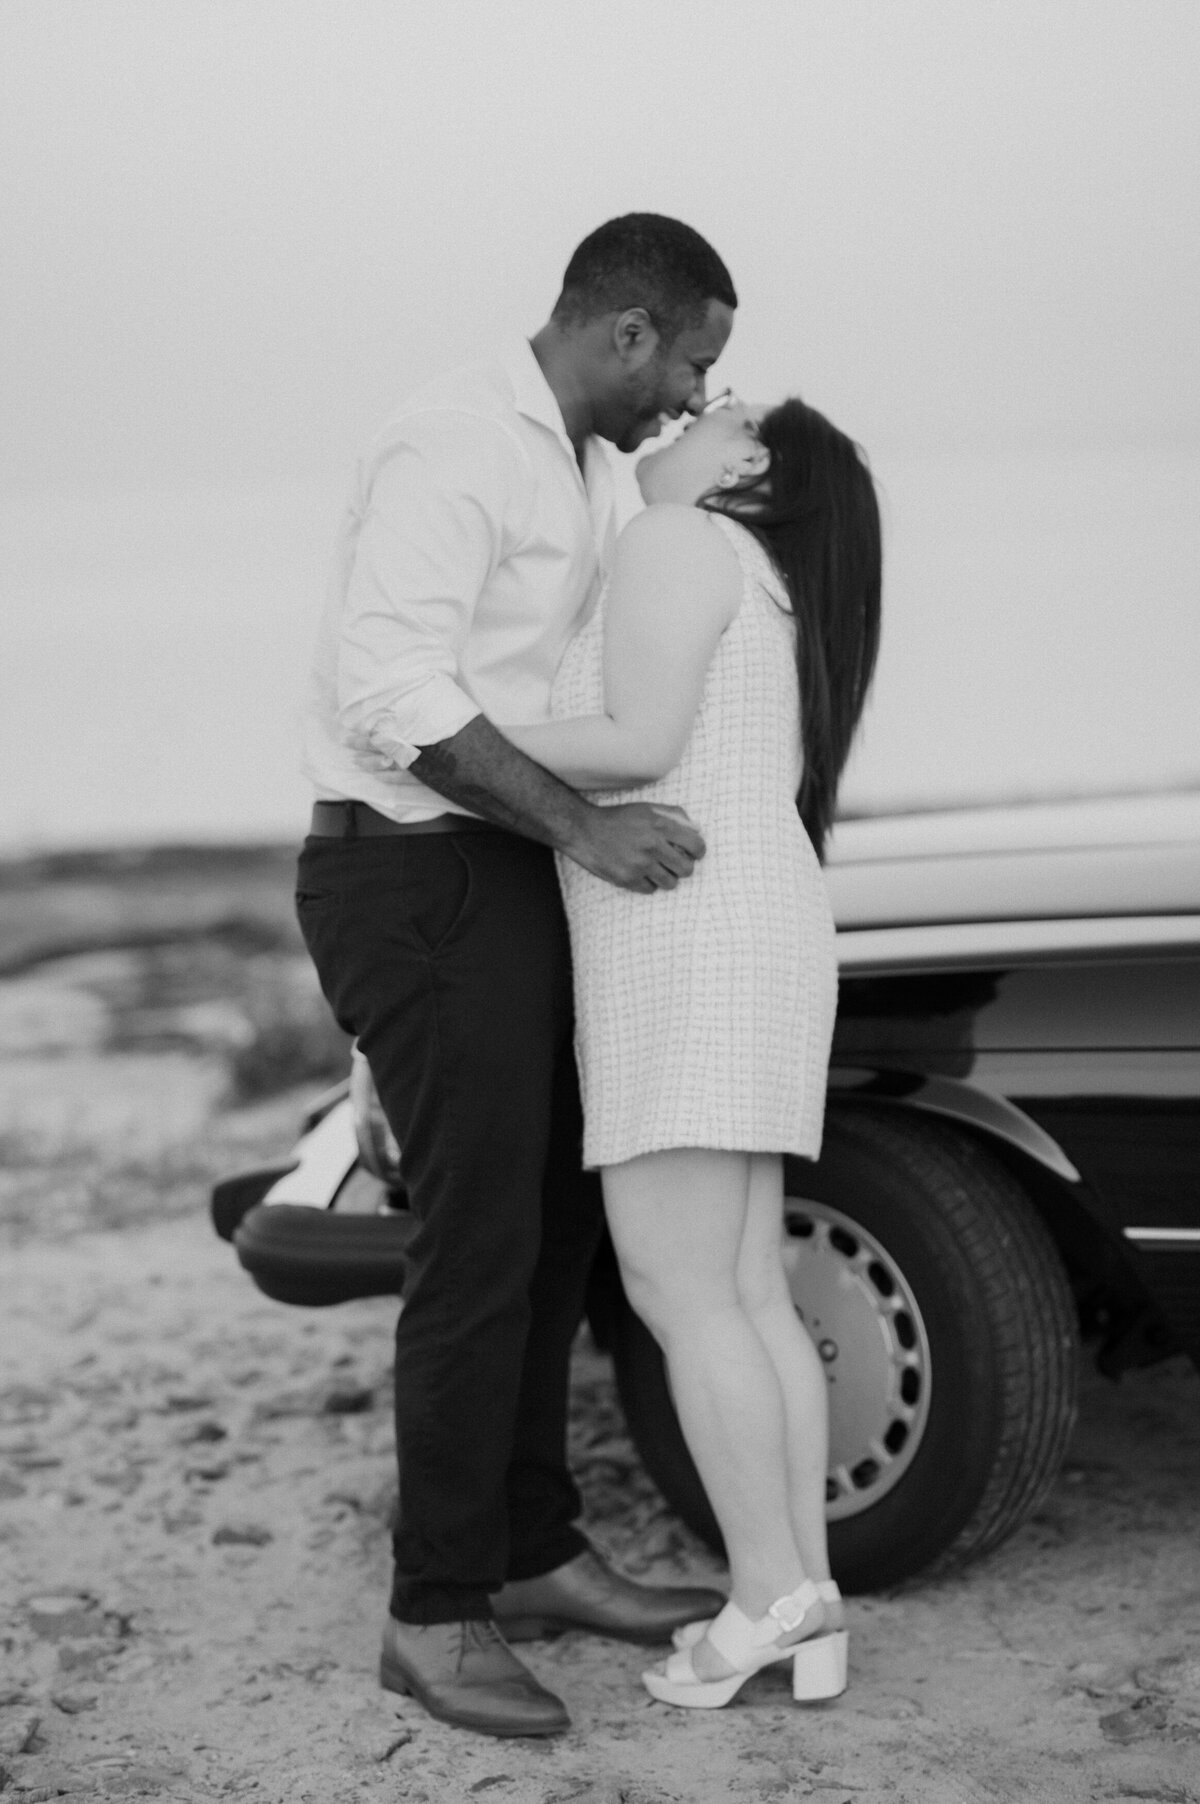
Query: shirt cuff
{"type": "Point", "coordinates": [403, 739]}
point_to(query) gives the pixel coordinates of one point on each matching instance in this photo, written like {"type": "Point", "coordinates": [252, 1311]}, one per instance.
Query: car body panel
{"type": "Point", "coordinates": [1047, 959]}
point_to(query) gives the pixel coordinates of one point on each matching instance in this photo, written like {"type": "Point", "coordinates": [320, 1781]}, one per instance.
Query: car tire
{"type": "Point", "coordinates": [947, 1263]}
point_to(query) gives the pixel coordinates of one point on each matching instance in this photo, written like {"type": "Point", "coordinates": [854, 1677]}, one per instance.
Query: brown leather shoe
{"type": "Point", "coordinates": [465, 1673]}
{"type": "Point", "coordinates": [588, 1594]}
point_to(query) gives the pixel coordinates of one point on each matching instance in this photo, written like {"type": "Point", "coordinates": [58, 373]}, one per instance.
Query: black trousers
{"type": "Point", "coordinates": [447, 956]}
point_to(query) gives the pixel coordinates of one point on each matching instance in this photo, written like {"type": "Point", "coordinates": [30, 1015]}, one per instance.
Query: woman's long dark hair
{"type": "Point", "coordinates": [815, 513]}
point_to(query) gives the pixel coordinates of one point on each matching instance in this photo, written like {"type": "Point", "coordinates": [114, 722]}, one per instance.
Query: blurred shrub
{"type": "Point", "coordinates": [291, 1036]}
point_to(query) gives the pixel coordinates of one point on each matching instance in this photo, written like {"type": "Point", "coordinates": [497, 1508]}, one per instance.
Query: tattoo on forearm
{"type": "Point", "coordinates": [438, 766]}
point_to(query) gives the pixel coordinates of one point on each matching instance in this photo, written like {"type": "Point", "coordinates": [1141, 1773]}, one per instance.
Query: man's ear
{"type": "Point", "coordinates": [634, 337]}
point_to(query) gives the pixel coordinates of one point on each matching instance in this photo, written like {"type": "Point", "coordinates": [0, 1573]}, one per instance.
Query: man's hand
{"type": "Point", "coordinates": [637, 846]}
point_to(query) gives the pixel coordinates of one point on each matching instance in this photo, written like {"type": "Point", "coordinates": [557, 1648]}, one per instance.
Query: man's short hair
{"type": "Point", "coordinates": [644, 260]}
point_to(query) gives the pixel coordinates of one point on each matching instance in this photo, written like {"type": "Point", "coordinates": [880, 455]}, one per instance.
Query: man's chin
{"type": "Point", "coordinates": [638, 433]}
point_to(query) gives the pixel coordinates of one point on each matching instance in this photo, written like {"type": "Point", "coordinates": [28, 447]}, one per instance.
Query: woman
{"type": "Point", "coordinates": [724, 674]}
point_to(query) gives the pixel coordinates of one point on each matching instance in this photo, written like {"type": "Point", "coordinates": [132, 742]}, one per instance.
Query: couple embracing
{"type": "Point", "coordinates": [563, 885]}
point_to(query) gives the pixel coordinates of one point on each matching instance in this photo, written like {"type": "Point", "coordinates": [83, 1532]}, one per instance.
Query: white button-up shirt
{"type": "Point", "coordinates": [473, 549]}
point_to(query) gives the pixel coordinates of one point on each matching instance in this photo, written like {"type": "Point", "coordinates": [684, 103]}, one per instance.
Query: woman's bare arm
{"type": "Point", "coordinates": [675, 587]}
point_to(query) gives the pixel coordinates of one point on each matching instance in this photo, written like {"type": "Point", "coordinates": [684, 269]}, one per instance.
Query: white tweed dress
{"type": "Point", "coordinates": [704, 1014]}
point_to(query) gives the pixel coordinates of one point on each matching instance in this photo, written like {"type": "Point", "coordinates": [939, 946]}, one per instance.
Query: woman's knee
{"type": "Point", "coordinates": [655, 1302]}
{"type": "Point", "coordinates": [674, 1305]}
{"type": "Point", "coordinates": [762, 1287]}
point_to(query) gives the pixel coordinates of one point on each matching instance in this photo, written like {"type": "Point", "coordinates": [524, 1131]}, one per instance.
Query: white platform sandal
{"type": "Point", "coordinates": [819, 1661]}
{"type": "Point", "coordinates": [746, 1647]}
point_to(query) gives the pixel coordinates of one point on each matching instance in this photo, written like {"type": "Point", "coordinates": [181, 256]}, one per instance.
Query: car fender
{"type": "Point", "coordinates": [993, 1116]}
{"type": "Point", "coordinates": [1082, 1221]}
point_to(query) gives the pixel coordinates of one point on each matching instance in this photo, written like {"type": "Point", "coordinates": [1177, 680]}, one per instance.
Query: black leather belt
{"type": "Point", "coordinates": [358, 820]}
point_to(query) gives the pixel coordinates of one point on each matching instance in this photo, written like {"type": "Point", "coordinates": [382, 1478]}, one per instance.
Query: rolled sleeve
{"type": "Point", "coordinates": [437, 512]}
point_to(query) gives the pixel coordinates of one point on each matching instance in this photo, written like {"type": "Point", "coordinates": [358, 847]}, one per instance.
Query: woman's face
{"type": "Point", "coordinates": [711, 452]}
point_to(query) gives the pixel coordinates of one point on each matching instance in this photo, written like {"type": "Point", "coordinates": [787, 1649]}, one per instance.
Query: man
{"type": "Point", "coordinates": [476, 544]}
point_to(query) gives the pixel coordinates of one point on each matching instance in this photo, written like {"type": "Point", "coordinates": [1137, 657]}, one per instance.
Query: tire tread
{"type": "Point", "coordinates": [964, 1219]}
{"type": "Point", "coordinates": [1029, 1306]}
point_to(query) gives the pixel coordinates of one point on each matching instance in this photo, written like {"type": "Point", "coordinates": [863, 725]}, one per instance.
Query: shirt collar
{"type": "Point", "coordinates": [535, 399]}
{"type": "Point", "coordinates": [532, 394]}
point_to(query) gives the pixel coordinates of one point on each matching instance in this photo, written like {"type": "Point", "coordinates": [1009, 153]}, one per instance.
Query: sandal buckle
{"type": "Point", "coordinates": [788, 1612]}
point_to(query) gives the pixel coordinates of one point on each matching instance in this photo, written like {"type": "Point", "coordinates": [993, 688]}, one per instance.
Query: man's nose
{"type": "Point", "coordinates": [697, 400]}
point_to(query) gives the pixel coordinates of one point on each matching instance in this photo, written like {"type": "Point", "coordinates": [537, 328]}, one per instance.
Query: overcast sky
{"type": "Point", "coordinates": [234, 229]}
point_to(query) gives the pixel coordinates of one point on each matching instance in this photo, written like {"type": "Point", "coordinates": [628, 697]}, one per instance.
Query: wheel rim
{"type": "Point", "coordinates": [864, 1321]}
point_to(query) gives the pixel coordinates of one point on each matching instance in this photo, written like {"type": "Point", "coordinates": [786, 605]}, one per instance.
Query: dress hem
{"type": "Point", "coordinates": [737, 1144]}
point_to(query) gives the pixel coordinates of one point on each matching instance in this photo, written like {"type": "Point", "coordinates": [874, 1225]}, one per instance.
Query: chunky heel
{"type": "Point", "coordinates": [744, 1645]}
{"type": "Point", "coordinates": [819, 1667]}
{"type": "Point", "coordinates": [819, 1670]}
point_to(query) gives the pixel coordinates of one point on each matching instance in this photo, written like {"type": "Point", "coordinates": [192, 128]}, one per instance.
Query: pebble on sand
{"type": "Point", "coordinates": [242, 1534]}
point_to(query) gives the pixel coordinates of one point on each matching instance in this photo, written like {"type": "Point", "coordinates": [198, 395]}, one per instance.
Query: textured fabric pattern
{"type": "Point", "coordinates": [704, 1014]}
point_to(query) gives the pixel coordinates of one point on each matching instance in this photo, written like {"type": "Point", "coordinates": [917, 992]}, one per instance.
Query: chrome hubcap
{"type": "Point", "coordinates": [866, 1326]}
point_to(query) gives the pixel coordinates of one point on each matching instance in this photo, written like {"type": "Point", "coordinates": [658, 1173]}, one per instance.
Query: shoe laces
{"type": "Point", "coordinates": [477, 1636]}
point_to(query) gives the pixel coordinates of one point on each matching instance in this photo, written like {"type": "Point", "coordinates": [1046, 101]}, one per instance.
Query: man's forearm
{"type": "Point", "coordinates": [632, 844]}
{"type": "Point", "coordinates": [482, 770]}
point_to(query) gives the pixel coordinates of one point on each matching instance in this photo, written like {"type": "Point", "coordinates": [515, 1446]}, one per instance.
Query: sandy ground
{"type": "Point", "coordinates": [195, 1484]}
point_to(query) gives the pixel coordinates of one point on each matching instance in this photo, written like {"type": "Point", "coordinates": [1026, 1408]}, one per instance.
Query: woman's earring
{"type": "Point", "coordinates": [728, 479]}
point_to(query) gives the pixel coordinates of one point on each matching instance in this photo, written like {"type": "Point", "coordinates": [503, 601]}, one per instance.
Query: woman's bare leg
{"type": "Point", "coordinates": [677, 1221]}
{"type": "Point", "coordinates": [766, 1298]}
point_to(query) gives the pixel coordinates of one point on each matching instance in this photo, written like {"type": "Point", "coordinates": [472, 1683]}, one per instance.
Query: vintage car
{"type": "Point", "coordinates": [1011, 1169]}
